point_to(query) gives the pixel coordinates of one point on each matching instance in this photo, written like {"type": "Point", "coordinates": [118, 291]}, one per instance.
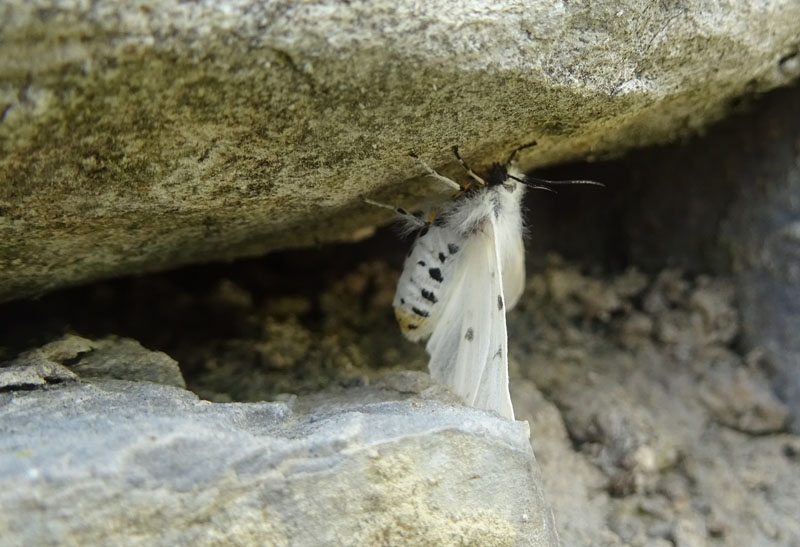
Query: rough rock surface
{"type": "Point", "coordinates": [139, 136]}
{"type": "Point", "coordinates": [765, 226]}
{"type": "Point", "coordinates": [651, 425]}
{"type": "Point", "coordinates": [71, 357]}
{"type": "Point", "coordinates": [137, 463]}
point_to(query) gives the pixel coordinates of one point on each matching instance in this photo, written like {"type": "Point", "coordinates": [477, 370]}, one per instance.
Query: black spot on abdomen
{"type": "Point", "coordinates": [469, 335]}
{"type": "Point", "coordinates": [421, 313]}
{"type": "Point", "coordinates": [436, 274]}
{"type": "Point", "coordinates": [500, 302]}
{"type": "Point", "coordinates": [452, 248]}
{"type": "Point", "coordinates": [429, 296]}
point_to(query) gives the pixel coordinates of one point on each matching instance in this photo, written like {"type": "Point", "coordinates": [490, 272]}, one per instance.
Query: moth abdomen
{"type": "Point", "coordinates": [410, 321]}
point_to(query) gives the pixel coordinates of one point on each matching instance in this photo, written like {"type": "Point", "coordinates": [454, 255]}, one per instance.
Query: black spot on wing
{"type": "Point", "coordinates": [421, 313]}
{"type": "Point", "coordinates": [452, 248]}
{"type": "Point", "coordinates": [500, 302]}
{"type": "Point", "coordinates": [442, 257]}
{"type": "Point", "coordinates": [402, 300]}
{"type": "Point", "coordinates": [436, 274]}
{"type": "Point", "coordinates": [421, 263]}
{"type": "Point", "coordinates": [499, 353]}
{"type": "Point", "coordinates": [429, 296]}
{"type": "Point", "coordinates": [423, 232]}
{"type": "Point", "coordinates": [411, 327]}
{"type": "Point", "coordinates": [439, 220]}
{"type": "Point", "coordinates": [469, 335]}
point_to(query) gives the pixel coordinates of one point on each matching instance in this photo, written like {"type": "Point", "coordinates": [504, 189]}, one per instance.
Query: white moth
{"type": "Point", "coordinates": [465, 269]}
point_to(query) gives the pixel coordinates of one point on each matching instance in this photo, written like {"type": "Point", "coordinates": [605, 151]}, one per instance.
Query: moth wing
{"type": "Point", "coordinates": [513, 263]}
{"type": "Point", "coordinates": [469, 344]}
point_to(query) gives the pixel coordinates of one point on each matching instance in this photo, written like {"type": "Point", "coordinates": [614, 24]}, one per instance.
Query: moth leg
{"type": "Point", "coordinates": [466, 167]}
{"type": "Point", "coordinates": [451, 183]}
{"type": "Point", "coordinates": [412, 219]}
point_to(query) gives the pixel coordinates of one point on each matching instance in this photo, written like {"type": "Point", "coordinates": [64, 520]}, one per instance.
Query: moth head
{"type": "Point", "coordinates": [497, 174]}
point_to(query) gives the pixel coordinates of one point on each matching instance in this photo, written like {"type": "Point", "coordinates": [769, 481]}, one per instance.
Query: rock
{"type": "Point", "coordinates": [125, 359]}
{"type": "Point", "coordinates": [42, 367]}
{"type": "Point", "coordinates": [574, 486]}
{"type": "Point", "coordinates": [15, 377]}
{"type": "Point", "coordinates": [71, 357]}
{"type": "Point", "coordinates": [146, 464]}
{"type": "Point", "coordinates": [637, 440]}
{"type": "Point", "coordinates": [141, 136]}
{"type": "Point", "coordinates": [763, 231]}
{"type": "Point", "coordinates": [739, 397]}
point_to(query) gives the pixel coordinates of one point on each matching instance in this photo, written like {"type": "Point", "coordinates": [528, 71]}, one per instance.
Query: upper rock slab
{"type": "Point", "coordinates": [137, 136]}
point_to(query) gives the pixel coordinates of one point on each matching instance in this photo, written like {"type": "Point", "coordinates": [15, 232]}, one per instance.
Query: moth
{"type": "Point", "coordinates": [465, 269]}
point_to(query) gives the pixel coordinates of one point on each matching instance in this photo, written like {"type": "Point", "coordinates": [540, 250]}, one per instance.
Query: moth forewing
{"type": "Point", "coordinates": [509, 244]}
{"type": "Point", "coordinates": [469, 347]}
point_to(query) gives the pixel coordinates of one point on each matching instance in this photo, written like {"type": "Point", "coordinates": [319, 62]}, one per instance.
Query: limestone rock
{"type": "Point", "coordinates": [146, 464]}
{"type": "Point", "coordinates": [137, 136]}
{"type": "Point", "coordinates": [72, 356]}
{"type": "Point", "coordinates": [15, 377]}
{"type": "Point", "coordinates": [126, 359]}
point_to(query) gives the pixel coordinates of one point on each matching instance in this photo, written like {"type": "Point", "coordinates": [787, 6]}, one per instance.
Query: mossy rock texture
{"type": "Point", "coordinates": [139, 136]}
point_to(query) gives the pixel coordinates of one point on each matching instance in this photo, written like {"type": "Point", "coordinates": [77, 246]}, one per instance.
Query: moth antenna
{"type": "Point", "coordinates": [533, 186]}
{"type": "Point", "coordinates": [517, 149]}
{"type": "Point", "coordinates": [432, 173]}
{"type": "Point", "coordinates": [466, 167]}
{"type": "Point", "coordinates": [565, 182]}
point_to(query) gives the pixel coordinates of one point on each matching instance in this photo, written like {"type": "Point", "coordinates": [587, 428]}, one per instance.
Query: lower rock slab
{"type": "Point", "coordinates": [135, 463]}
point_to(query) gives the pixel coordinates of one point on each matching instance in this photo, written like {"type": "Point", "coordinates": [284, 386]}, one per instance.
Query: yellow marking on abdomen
{"type": "Point", "coordinates": [408, 321]}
